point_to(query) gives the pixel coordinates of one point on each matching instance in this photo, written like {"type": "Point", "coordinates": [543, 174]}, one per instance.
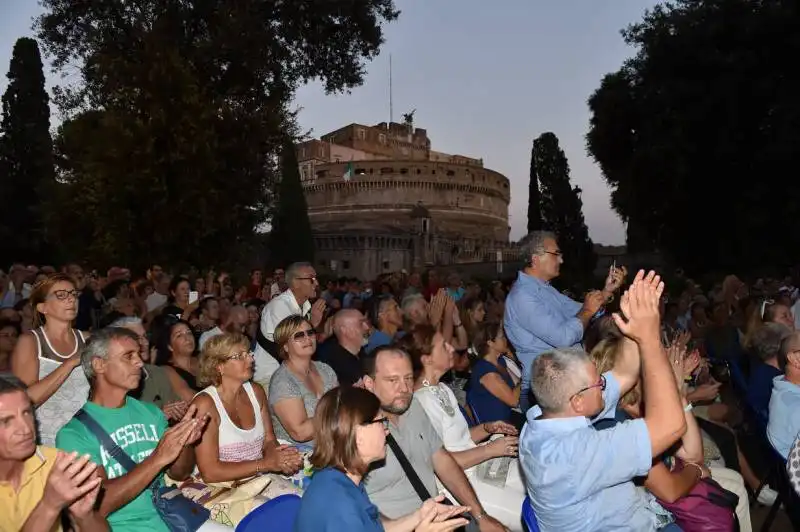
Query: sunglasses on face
{"type": "Point", "coordinates": [299, 335]}
{"type": "Point", "coordinates": [63, 295]}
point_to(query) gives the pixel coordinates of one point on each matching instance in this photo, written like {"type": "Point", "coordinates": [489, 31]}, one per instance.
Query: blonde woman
{"type": "Point", "coordinates": [296, 387]}
{"type": "Point", "coordinates": [48, 358]}
{"type": "Point", "coordinates": [238, 441]}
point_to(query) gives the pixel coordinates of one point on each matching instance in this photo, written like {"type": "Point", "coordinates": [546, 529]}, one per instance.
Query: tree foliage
{"type": "Point", "coordinates": [534, 197]}
{"type": "Point", "coordinates": [562, 209]}
{"type": "Point", "coordinates": [697, 132]}
{"type": "Point", "coordinates": [26, 156]}
{"type": "Point", "coordinates": [178, 110]}
{"type": "Point", "coordinates": [291, 238]}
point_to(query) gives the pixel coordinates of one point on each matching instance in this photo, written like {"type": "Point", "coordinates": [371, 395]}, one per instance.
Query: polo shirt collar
{"type": "Point", "coordinates": [555, 425]}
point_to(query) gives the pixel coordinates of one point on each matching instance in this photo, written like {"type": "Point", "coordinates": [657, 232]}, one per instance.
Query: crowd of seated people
{"type": "Point", "coordinates": [197, 380]}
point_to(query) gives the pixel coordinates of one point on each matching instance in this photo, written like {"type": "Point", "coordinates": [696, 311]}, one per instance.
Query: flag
{"type": "Point", "coordinates": [348, 172]}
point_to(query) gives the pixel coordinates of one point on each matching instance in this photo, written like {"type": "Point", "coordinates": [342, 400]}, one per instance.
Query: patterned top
{"type": "Point", "coordinates": [70, 396]}
{"type": "Point", "coordinates": [793, 465]}
{"type": "Point", "coordinates": [237, 444]}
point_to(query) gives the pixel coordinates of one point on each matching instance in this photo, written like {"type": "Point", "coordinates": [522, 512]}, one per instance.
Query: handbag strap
{"type": "Point", "coordinates": [112, 448]}
{"type": "Point", "coordinates": [408, 469]}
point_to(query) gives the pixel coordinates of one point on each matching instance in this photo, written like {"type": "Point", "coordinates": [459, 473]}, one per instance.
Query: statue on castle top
{"type": "Point", "coordinates": [408, 118]}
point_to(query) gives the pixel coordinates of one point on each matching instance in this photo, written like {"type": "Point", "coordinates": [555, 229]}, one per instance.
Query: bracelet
{"type": "Point", "coordinates": [688, 407]}
{"type": "Point", "coordinates": [258, 467]}
{"type": "Point", "coordinates": [702, 473]}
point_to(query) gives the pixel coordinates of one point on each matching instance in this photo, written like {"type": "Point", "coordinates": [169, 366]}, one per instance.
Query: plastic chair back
{"type": "Point", "coordinates": [275, 515]}
{"type": "Point", "coordinates": [529, 516]}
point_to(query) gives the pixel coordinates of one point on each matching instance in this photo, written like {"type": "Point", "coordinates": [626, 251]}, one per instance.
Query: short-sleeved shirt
{"type": "Point", "coordinates": [16, 506]}
{"type": "Point", "coordinates": [387, 486]}
{"type": "Point", "coordinates": [485, 405]}
{"type": "Point", "coordinates": [784, 415]}
{"type": "Point", "coordinates": [345, 364]}
{"type": "Point", "coordinates": [155, 387]}
{"type": "Point", "coordinates": [136, 428]}
{"type": "Point", "coordinates": [580, 479]}
{"type": "Point", "coordinates": [332, 502]}
{"type": "Point", "coordinates": [285, 385]}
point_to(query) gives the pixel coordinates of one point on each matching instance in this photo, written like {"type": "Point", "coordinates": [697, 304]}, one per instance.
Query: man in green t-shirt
{"type": "Point", "coordinates": [112, 364]}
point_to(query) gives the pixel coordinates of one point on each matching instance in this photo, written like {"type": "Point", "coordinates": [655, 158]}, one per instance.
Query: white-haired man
{"type": "Point", "coordinates": [578, 478]}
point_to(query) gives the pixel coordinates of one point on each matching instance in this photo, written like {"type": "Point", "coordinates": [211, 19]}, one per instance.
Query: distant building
{"type": "Point", "coordinates": [381, 200]}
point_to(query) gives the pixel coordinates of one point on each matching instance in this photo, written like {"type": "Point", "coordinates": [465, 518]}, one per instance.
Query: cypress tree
{"type": "Point", "coordinates": [26, 156]}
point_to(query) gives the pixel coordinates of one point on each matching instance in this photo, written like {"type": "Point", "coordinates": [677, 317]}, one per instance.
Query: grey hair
{"type": "Point", "coordinates": [534, 242]}
{"type": "Point", "coordinates": [293, 271]}
{"type": "Point", "coordinates": [410, 300]}
{"type": "Point", "coordinates": [557, 375]}
{"type": "Point", "coordinates": [98, 345]}
{"type": "Point", "coordinates": [10, 383]}
{"type": "Point", "coordinates": [127, 321]}
{"type": "Point", "coordinates": [766, 340]}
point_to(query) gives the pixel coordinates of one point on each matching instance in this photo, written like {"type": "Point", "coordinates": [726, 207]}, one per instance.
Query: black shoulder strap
{"type": "Point", "coordinates": [416, 483]}
{"type": "Point", "coordinates": [112, 448]}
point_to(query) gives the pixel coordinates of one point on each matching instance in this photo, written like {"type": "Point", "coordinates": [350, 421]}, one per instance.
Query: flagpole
{"type": "Point", "coordinates": [391, 109]}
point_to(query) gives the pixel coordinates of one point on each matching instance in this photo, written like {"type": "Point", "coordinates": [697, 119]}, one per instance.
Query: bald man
{"type": "Point", "coordinates": [343, 350]}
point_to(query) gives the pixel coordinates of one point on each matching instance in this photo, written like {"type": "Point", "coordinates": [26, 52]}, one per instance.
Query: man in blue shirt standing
{"type": "Point", "coordinates": [538, 317]}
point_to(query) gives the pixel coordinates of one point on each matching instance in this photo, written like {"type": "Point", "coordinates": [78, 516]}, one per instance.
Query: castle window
{"type": "Point", "coordinates": [381, 138]}
{"type": "Point", "coordinates": [404, 171]}
{"type": "Point", "coordinates": [346, 263]}
{"type": "Point", "coordinates": [451, 173]}
{"type": "Point", "coordinates": [386, 170]}
{"type": "Point", "coordinates": [425, 226]}
{"type": "Point", "coordinates": [361, 134]}
{"type": "Point", "coordinates": [419, 171]}
{"type": "Point", "coordinates": [321, 174]}
{"type": "Point", "coordinates": [505, 185]}
{"type": "Point", "coordinates": [385, 264]}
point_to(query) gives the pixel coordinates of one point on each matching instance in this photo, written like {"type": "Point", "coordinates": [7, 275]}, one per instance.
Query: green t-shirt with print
{"type": "Point", "coordinates": [136, 428]}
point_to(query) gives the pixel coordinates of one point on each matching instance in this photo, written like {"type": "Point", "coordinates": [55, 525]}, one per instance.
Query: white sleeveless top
{"type": "Point", "coordinates": [69, 398]}
{"type": "Point", "coordinates": [236, 444]}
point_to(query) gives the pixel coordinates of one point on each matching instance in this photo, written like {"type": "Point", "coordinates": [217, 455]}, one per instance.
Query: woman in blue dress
{"type": "Point", "coordinates": [350, 434]}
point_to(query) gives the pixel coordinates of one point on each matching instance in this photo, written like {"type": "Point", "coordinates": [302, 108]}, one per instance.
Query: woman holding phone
{"type": "Point", "coordinates": [351, 435]}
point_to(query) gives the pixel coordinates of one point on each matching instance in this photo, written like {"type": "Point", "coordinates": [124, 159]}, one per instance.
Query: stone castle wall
{"type": "Point", "coordinates": [464, 201]}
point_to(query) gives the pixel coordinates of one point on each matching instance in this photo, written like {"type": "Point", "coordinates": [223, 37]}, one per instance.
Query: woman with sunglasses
{"type": "Point", "coordinates": [351, 436]}
{"type": "Point", "coordinates": [297, 385]}
{"type": "Point", "coordinates": [238, 441]}
{"type": "Point", "coordinates": [48, 357]}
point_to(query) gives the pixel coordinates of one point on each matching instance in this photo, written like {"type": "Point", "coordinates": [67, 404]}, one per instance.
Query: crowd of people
{"type": "Point", "coordinates": [411, 402]}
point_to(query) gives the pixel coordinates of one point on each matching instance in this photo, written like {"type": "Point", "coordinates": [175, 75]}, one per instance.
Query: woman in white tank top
{"type": "Point", "coordinates": [238, 441]}
{"type": "Point", "coordinates": [48, 358]}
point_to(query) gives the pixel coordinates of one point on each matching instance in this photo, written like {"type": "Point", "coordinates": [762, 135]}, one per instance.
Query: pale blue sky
{"type": "Point", "coordinates": [485, 82]}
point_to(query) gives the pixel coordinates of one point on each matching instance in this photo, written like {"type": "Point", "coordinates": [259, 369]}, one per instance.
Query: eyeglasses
{"type": "Point", "coordinates": [312, 279]}
{"type": "Point", "coordinates": [554, 253]}
{"type": "Point", "coordinates": [63, 295]}
{"type": "Point", "coordinates": [383, 420]}
{"type": "Point", "coordinates": [299, 335]}
{"type": "Point", "coordinates": [240, 356]}
{"type": "Point", "coordinates": [600, 384]}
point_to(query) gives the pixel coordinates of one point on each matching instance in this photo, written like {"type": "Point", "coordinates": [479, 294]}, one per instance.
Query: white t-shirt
{"type": "Point", "coordinates": [280, 308]}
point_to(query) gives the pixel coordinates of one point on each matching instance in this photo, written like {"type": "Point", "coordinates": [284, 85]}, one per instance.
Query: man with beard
{"type": "Point", "coordinates": [389, 375]}
{"type": "Point", "coordinates": [112, 364]}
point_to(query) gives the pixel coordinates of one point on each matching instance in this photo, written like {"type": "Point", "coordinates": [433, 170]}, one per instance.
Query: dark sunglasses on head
{"type": "Point", "coordinates": [299, 335]}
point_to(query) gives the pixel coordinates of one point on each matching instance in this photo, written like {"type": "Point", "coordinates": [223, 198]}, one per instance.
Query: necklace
{"type": "Point", "coordinates": [303, 374]}
{"type": "Point", "coordinates": [441, 396]}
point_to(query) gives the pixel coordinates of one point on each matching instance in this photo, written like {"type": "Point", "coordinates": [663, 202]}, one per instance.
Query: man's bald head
{"type": "Point", "coordinates": [351, 328]}
{"type": "Point", "coordinates": [238, 316]}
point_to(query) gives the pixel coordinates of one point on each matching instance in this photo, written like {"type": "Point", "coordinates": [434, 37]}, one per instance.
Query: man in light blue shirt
{"type": "Point", "coordinates": [538, 317]}
{"type": "Point", "coordinates": [580, 479]}
{"type": "Point", "coordinates": [784, 405]}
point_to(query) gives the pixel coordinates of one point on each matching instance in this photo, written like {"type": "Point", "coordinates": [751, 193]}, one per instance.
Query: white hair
{"type": "Point", "coordinates": [557, 375]}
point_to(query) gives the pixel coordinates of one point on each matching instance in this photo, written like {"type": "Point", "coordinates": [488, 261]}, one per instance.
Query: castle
{"type": "Point", "coordinates": [381, 200]}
